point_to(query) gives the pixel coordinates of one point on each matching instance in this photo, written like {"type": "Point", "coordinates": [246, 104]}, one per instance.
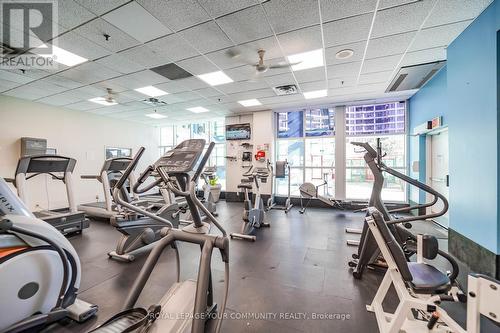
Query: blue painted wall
{"type": "Point", "coordinates": [467, 98]}
{"type": "Point", "coordinates": [428, 103]}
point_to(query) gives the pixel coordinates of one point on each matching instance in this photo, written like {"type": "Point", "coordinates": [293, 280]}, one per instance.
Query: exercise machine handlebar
{"type": "Point", "coordinates": [130, 168]}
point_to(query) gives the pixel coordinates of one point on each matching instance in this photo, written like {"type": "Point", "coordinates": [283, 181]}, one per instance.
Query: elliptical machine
{"type": "Point", "coordinates": [253, 217]}
{"type": "Point", "coordinates": [281, 171]}
{"type": "Point", "coordinates": [368, 252]}
{"type": "Point", "coordinates": [188, 305]}
{"type": "Point", "coordinates": [209, 175]}
{"type": "Point", "coordinates": [39, 270]}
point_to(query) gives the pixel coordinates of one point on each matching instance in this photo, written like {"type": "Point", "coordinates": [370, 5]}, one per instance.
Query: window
{"type": "Point", "coordinates": [365, 124]}
{"type": "Point", "coordinates": [309, 149]}
{"type": "Point", "coordinates": [320, 122]}
{"type": "Point", "coordinates": [290, 124]}
{"type": "Point", "coordinates": [172, 135]}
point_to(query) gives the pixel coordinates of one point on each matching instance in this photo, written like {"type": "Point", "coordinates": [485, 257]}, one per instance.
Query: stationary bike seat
{"type": "Point", "coordinates": [247, 186]}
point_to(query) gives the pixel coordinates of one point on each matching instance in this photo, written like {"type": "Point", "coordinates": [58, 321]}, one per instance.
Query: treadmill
{"type": "Point", "coordinates": [111, 171]}
{"type": "Point", "coordinates": [66, 220]}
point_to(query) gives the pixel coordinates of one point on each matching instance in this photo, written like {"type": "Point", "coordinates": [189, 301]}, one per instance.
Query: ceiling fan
{"type": "Point", "coordinates": [260, 66]}
{"type": "Point", "coordinates": [110, 97]}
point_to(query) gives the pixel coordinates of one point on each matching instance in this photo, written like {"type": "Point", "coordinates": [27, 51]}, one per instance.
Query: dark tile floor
{"type": "Point", "coordinates": [299, 265]}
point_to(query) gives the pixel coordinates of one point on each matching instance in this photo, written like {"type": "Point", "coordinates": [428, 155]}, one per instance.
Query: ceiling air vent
{"type": "Point", "coordinates": [289, 89]}
{"type": "Point", "coordinates": [171, 71]}
{"type": "Point", "coordinates": [154, 102]}
{"type": "Point", "coordinates": [415, 76]}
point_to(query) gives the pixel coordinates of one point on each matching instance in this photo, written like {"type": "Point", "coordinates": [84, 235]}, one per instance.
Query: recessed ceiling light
{"type": "Point", "coordinates": [156, 115]}
{"type": "Point", "coordinates": [215, 78]}
{"type": "Point", "coordinates": [62, 56]}
{"type": "Point", "coordinates": [315, 94]}
{"type": "Point", "coordinates": [344, 54]}
{"type": "Point", "coordinates": [250, 102]}
{"type": "Point", "coordinates": [151, 91]}
{"type": "Point", "coordinates": [102, 101]}
{"type": "Point", "coordinates": [198, 109]}
{"type": "Point", "coordinates": [306, 60]}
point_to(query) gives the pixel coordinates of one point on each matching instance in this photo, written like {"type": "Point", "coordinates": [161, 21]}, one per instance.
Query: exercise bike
{"type": "Point", "coordinates": [188, 305]}
{"type": "Point", "coordinates": [281, 171]}
{"type": "Point", "coordinates": [253, 216]}
{"type": "Point", "coordinates": [39, 272]}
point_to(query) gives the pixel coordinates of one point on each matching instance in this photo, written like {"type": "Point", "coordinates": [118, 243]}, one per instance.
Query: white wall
{"type": "Point", "coordinates": [75, 134]}
{"type": "Point", "coordinates": [262, 127]}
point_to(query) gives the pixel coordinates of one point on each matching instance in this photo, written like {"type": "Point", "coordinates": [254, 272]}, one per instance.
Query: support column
{"type": "Point", "coordinates": [340, 157]}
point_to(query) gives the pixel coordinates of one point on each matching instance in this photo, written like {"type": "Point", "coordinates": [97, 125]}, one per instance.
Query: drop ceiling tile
{"type": "Point", "coordinates": [119, 63]}
{"type": "Point", "coordinates": [86, 92]}
{"type": "Point", "coordinates": [197, 65]}
{"type": "Point", "coordinates": [71, 14]}
{"type": "Point", "coordinates": [145, 56]}
{"type": "Point", "coordinates": [292, 14]}
{"type": "Point", "coordinates": [450, 11]}
{"type": "Point", "coordinates": [176, 14]}
{"type": "Point", "coordinates": [33, 73]}
{"type": "Point", "coordinates": [280, 79]}
{"type": "Point", "coordinates": [108, 84]}
{"type": "Point", "coordinates": [171, 99]}
{"type": "Point", "coordinates": [136, 105]}
{"type": "Point", "coordinates": [7, 85]}
{"type": "Point", "coordinates": [259, 93]}
{"type": "Point", "coordinates": [282, 99]}
{"type": "Point", "coordinates": [309, 75]}
{"type": "Point", "coordinates": [401, 19]}
{"type": "Point", "coordinates": [84, 106]}
{"type": "Point", "coordinates": [347, 30]}
{"type": "Point", "coordinates": [81, 46]}
{"type": "Point", "coordinates": [218, 8]}
{"type": "Point", "coordinates": [381, 64]}
{"type": "Point", "coordinates": [339, 9]}
{"type": "Point", "coordinates": [192, 83]}
{"type": "Point", "coordinates": [312, 86]}
{"type": "Point", "coordinates": [302, 40]}
{"type": "Point", "coordinates": [171, 87]}
{"type": "Point", "coordinates": [246, 25]}
{"type": "Point", "coordinates": [344, 70]}
{"type": "Point", "coordinates": [358, 48]}
{"type": "Point", "coordinates": [386, 46]}
{"type": "Point", "coordinates": [188, 96]}
{"type": "Point", "coordinates": [248, 51]}
{"type": "Point", "coordinates": [49, 88]}
{"type": "Point", "coordinates": [206, 37]}
{"type": "Point", "coordinates": [61, 81]}
{"type": "Point", "coordinates": [88, 73]}
{"type": "Point", "coordinates": [392, 3]}
{"type": "Point", "coordinates": [34, 90]}
{"type": "Point", "coordinates": [242, 73]}
{"type": "Point", "coordinates": [137, 22]}
{"type": "Point", "coordinates": [372, 78]}
{"type": "Point", "coordinates": [438, 36]}
{"type": "Point", "coordinates": [276, 71]}
{"type": "Point", "coordinates": [96, 29]}
{"type": "Point", "coordinates": [235, 87]}
{"type": "Point", "coordinates": [15, 77]}
{"type": "Point", "coordinates": [58, 100]}
{"type": "Point", "coordinates": [424, 56]}
{"type": "Point", "coordinates": [208, 92]}
{"type": "Point", "coordinates": [100, 7]}
{"type": "Point", "coordinates": [139, 79]}
{"type": "Point", "coordinates": [348, 81]}
{"type": "Point", "coordinates": [173, 47]}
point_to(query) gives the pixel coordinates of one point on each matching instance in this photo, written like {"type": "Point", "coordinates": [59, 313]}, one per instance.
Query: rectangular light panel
{"type": "Point", "coordinates": [215, 78]}
{"type": "Point", "coordinates": [306, 60]}
{"type": "Point", "coordinates": [151, 91]}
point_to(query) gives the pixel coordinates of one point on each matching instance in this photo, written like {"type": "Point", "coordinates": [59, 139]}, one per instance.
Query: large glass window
{"type": "Point", "coordinates": [213, 130]}
{"type": "Point", "coordinates": [320, 122]}
{"type": "Point", "coordinates": [311, 153]}
{"type": "Point", "coordinates": [365, 124]}
{"type": "Point", "coordinates": [290, 124]}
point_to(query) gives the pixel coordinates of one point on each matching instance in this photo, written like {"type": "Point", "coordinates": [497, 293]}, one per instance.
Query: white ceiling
{"type": "Point", "coordinates": [195, 34]}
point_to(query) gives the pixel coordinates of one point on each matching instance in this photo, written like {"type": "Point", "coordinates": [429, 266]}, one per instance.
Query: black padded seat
{"type": "Point", "coordinates": [247, 186]}
{"type": "Point", "coordinates": [428, 279]}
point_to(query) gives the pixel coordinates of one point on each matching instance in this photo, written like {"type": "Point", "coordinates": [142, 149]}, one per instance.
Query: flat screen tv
{"type": "Point", "coordinates": [238, 132]}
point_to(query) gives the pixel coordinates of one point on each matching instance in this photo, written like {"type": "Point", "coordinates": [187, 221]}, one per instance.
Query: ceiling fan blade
{"type": "Point", "coordinates": [283, 65]}
{"type": "Point", "coordinates": [255, 77]}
